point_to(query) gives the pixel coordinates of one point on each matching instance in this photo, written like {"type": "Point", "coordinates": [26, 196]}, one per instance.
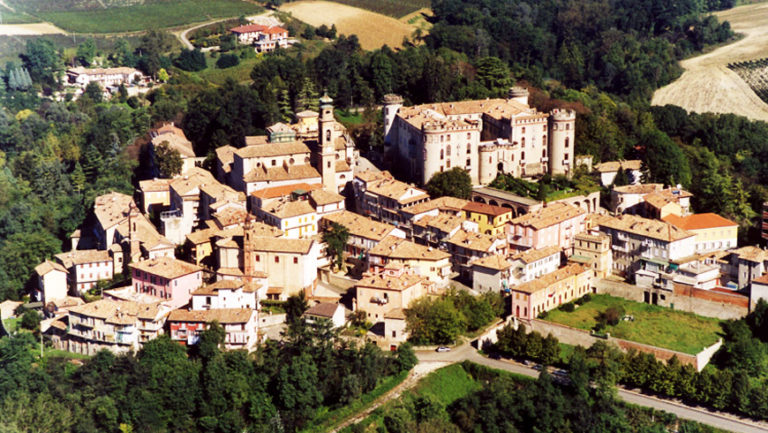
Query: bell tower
{"type": "Point", "coordinates": [325, 141]}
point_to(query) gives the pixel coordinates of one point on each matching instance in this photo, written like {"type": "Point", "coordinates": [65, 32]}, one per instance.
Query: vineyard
{"type": "Point", "coordinates": [755, 74]}
{"type": "Point", "coordinates": [393, 8]}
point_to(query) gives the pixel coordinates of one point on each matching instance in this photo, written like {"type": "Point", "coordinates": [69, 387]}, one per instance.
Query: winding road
{"type": "Point", "coordinates": [715, 419]}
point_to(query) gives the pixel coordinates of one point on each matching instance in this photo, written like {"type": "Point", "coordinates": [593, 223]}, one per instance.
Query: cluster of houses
{"type": "Point", "coordinates": [263, 37]}
{"type": "Point", "coordinates": [204, 247]}
{"type": "Point", "coordinates": [109, 79]}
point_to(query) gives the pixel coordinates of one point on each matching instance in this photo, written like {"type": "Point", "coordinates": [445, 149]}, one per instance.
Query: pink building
{"type": "Point", "coordinates": [167, 278]}
{"type": "Point", "coordinates": [554, 225]}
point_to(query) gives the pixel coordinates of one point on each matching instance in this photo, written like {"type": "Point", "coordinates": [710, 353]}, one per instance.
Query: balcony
{"type": "Point", "coordinates": [380, 301]}
{"type": "Point", "coordinates": [170, 214]}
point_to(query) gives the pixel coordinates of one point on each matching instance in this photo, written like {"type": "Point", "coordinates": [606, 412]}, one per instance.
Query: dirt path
{"type": "Point", "coordinates": [419, 371]}
{"type": "Point", "coordinates": [707, 85]}
{"type": "Point", "coordinates": [183, 33]}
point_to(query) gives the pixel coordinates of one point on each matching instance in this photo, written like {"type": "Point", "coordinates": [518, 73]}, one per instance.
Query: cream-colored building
{"type": "Point", "coordinates": [155, 194]}
{"type": "Point", "coordinates": [595, 248]}
{"type": "Point", "coordinates": [427, 262]}
{"type": "Point", "coordinates": [85, 268]}
{"type": "Point", "coordinates": [550, 291]}
{"type": "Point", "coordinates": [378, 295]}
{"type": "Point", "coordinates": [364, 233]}
{"type": "Point", "coordinates": [297, 218]}
{"type": "Point", "coordinates": [609, 169]}
{"type": "Point", "coordinates": [52, 281]}
{"type": "Point", "coordinates": [465, 247]}
{"type": "Point", "coordinates": [713, 232]}
{"type": "Point", "coordinates": [380, 196]}
{"type": "Point", "coordinates": [484, 137]}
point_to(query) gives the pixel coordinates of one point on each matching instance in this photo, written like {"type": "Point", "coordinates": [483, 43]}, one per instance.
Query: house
{"type": "Point", "coordinates": [332, 312]}
{"type": "Point", "coordinates": [380, 196]}
{"type": "Point", "coordinates": [225, 157]}
{"type": "Point", "coordinates": [364, 233]}
{"type": "Point", "coordinates": [491, 274]}
{"type": "Point", "coordinates": [111, 210]}
{"type": "Point", "coordinates": [484, 137]}
{"type": "Point", "coordinates": [395, 328]}
{"type": "Point", "coordinates": [175, 139]}
{"type": "Point", "coordinates": [465, 247]}
{"type": "Point", "coordinates": [595, 251]}
{"type": "Point", "coordinates": [248, 34]}
{"type": "Point", "coordinates": [166, 278]}
{"type": "Point", "coordinates": [240, 326]}
{"type": "Point", "coordinates": [550, 291]}
{"type": "Point", "coordinates": [105, 77]}
{"type": "Point", "coordinates": [556, 224]}
{"type": "Point", "coordinates": [377, 295]}
{"type": "Point", "coordinates": [199, 245]}
{"type": "Point", "coordinates": [713, 232]}
{"type": "Point", "coordinates": [296, 218]}
{"type": "Point", "coordinates": [184, 216]}
{"type": "Point", "coordinates": [630, 198]}
{"type": "Point", "coordinates": [531, 264]}
{"type": "Point", "coordinates": [51, 281]}
{"type": "Point", "coordinates": [446, 205]}
{"type": "Point", "coordinates": [264, 38]}
{"type": "Point", "coordinates": [641, 243]}
{"type": "Point", "coordinates": [155, 195]}
{"type": "Point", "coordinates": [758, 289]}
{"type": "Point", "coordinates": [430, 263]}
{"type": "Point", "coordinates": [118, 326]}
{"type": "Point", "coordinates": [326, 202]}
{"type": "Point", "coordinates": [141, 233]}
{"type": "Point", "coordinates": [491, 219]}
{"type": "Point", "coordinates": [85, 268]}
{"type": "Point", "coordinates": [669, 201]}
{"type": "Point", "coordinates": [290, 265]}
{"type": "Point", "coordinates": [609, 169]}
{"type": "Point", "coordinates": [228, 294]}
{"type": "Point", "coordinates": [746, 264]}
{"type": "Point", "coordinates": [215, 197]}
{"type": "Point", "coordinates": [434, 231]}
{"type": "Point", "coordinates": [264, 197]}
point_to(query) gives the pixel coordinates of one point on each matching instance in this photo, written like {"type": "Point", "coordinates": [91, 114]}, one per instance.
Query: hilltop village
{"type": "Point", "coordinates": [229, 245]}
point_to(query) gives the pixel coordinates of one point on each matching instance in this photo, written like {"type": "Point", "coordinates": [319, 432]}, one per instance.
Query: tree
{"type": "Point", "coordinates": [191, 60]}
{"type": "Point", "coordinates": [227, 61]}
{"type": "Point", "coordinates": [168, 160]}
{"type": "Point", "coordinates": [434, 321]}
{"type": "Point", "coordinates": [298, 393]}
{"type": "Point", "coordinates": [94, 92]}
{"type": "Point", "coordinates": [621, 178]}
{"type": "Point", "coordinates": [493, 74]}
{"type": "Point", "coordinates": [454, 182]}
{"type": "Point", "coordinates": [308, 98]}
{"type": "Point", "coordinates": [337, 238]}
{"type": "Point", "coordinates": [42, 61]}
{"type": "Point", "coordinates": [30, 320]}
{"type": "Point", "coordinates": [295, 306]}
{"type": "Point", "coordinates": [86, 52]}
{"type": "Point", "coordinates": [162, 75]}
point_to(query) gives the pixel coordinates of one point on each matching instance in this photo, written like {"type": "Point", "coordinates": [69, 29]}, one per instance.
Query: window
{"type": "Point", "coordinates": [522, 141]}
{"type": "Point", "coordinates": [523, 129]}
{"type": "Point", "coordinates": [522, 156]}
{"type": "Point", "coordinates": [277, 259]}
{"type": "Point", "coordinates": [469, 162]}
{"type": "Point", "coordinates": [544, 140]}
{"type": "Point", "coordinates": [258, 258]}
{"type": "Point", "coordinates": [448, 150]}
{"type": "Point", "coordinates": [394, 334]}
{"type": "Point", "coordinates": [544, 153]}
{"type": "Point", "coordinates": [449, 163]}
{"type": "Point", "coordinates": [567, 126]}
{"type": "Point", "coordinates": [567, 142]}
{"type": "Point", "coordinates": [274, 162]}
{"type": "Point", "coordinates": [328, 135]}
{"type": "Point", "coordinates": [469, 136]}
{"type": "Point", "coordinates": [442, 154]}
{"type": "Point", "coordinates": [545, 128]}
{"type": "Point", "coordinates": [566, 157]}
{"type": "Point", "coordinates": [295, 260]}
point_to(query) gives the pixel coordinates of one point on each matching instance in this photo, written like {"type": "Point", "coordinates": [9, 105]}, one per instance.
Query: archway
{"type": "Point", "coordinates": [479, 199]}
{"type": "Point", "coordinates": [493, 203]}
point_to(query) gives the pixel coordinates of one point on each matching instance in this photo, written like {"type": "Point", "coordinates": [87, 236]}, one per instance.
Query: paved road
{"type": "Point", "coordinates": [183, 34]}
{"type": "Point", "coordinates": [725, 422]}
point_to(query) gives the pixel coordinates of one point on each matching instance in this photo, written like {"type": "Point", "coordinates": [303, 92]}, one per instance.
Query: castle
{"type": "Point", "coordinates": [485, 137]}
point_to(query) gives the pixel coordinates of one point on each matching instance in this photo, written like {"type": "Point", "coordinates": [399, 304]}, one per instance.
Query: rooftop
{"type": "Point", "coordinates": [752, 254]}
{"type": "Point", "coordinates": [272, 149]}
{"type": "Point", "coordinates": [383, 282]}
{"type": "Point", "coordinates": [495, 261]}
{"type": "Point", "coordinates": [155, 185]}
{"type": "Point", "coordinates": [48, 266]}
{"type": "Point", "coordinates": [395, 248]}
{"type": "Point", "coordinates": [699, 221]}
{"type": "Point", "coordinates": [284, 190]}
{"type": "Point", "coordinates": [486, 209]}
{"type": "Point", "coordinates": [323, 309]}
{"type": "Point", "coordinates": [79, 257]}
{"type": "Point", "coordinates": [549, 215]}
{"type": "Point", "coordinates": [221, 315]}
{"type": "Point", "coordinates": [473, 241]}
{"type": "Point", "coordinates": [291, 172]}
{"type": "Point", "coordinates": [530, 256]}
{"type": "Point", "coordinates": [289, 209]}
{"type": "Point", "coordinates": [360, 226]}
{"type": "Point", "coordinates": [190, 182]}
{"type": "Point", "coordinates": [611, 166]}
{"type": "Point", "coordinates": [640, 188]}
{"type": "Point", "coordinates": [282, 245]}
{"type": "Point", "coordinates": [547, 280]}
{"type": "Point", "coordinates": [213, 289]}
{"type": "Point", "coordinates": [166, 267]}
{"type": "Point", "coordinates": [111, 209]}
{"type": "Point", "coordinates": [654, 229]}
{"type": "Point", "coordinates": [322, 197]}
{"type": "Point", "coordinates": [451, 204]}
{"type": "Point", "coordinates": [444, 223]}
{"type": "Point", "coordinates": [119, 312]}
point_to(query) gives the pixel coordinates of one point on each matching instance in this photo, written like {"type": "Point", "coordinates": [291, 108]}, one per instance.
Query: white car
{"type": "Point", "coordinates": [443, 349]}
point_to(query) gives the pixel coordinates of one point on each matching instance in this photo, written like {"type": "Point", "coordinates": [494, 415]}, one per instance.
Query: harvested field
{"type": "Point", "coordinates": [373, 30]}
{"type": "Point", "coordinates": [34, 29]}
{"type": "Point", "coordinates": [393, 8]}
{"type": "Point", "coordinates": [707, 85]}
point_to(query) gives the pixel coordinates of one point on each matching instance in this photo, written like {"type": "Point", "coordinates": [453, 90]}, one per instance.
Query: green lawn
{"type": "Point", "coordinates": [349, 118]}
{"type": "Point", "coordinates": [447, 384]}
{"type": "Point", "coordinates": [654, 325]}
{"type": "Point", "coordinates": [11, 324]}
{"type": "Point", "coordinates": [240, 73]}
{"type": "Point", "coordinates": [8, 17]}
{"type": "Point", "coordinates": [326, 420]}
{"type": "Point", "coordinates": [167, 14]}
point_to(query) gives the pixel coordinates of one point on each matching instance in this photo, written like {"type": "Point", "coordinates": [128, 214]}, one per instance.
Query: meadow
{"type": "Point", "coordinates": [168, 14]}
{"type": "Point", "coordinates": [393, 8]}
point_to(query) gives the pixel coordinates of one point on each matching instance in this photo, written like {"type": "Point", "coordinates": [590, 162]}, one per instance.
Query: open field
{"type": "Point", "coordinates": [372, 29]}
{"type": "Point", "coordinates": [35, 29]}
{"type": "Point", "coordinates": [707, 85]}
{"type": "Point", "coordinates": [8, 17]}
{"type": "Point", "coordinates": [654, 325]}
{"type": "Point", "coordinates": [145, 16]}
{"type": "Point", "coordinates": [393, 8]}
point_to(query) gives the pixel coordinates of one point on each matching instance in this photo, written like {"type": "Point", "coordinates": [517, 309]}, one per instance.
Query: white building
{"type": "Point", "coordinates": [104, 76]}
{"type": "Point", "coordinates": [226, 294]}
{"type": "Point", "coordinates": [52, 281]}
{"type": "Point", "coordinates": [484, 137]}
{"type": "Point", "coordinates": [609, 169]}
{"type": "Point", "coordinates": [330, 311]}
{"type": "Point", "coordinates": [85, 268]}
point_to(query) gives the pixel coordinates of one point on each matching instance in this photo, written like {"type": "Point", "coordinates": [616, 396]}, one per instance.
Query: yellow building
{"type": "Point", "coordinates": [593, 250]}
{"type": "Point", "coordinates": [550, 291]}
{"type": "Point", "coordinates": [199, 244]}
{"type": "Point", "coordinates": [490, 219]}
{"type": "Point", "coordinates": [155, 194]}
{"type": "Point", "coordinates": [713, 232]}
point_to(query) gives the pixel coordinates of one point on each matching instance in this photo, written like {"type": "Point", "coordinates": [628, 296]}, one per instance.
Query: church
{"type": "Point", "coordinates": [485, 137]}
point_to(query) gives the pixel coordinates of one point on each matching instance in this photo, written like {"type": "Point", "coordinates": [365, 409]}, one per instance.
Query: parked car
{"type": "Point", "coordinates": [537, 367]}
{"type": "Point", "coordinates": [443, 349]}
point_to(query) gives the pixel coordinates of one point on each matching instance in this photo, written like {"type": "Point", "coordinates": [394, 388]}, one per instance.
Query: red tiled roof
{"type": "Point", "coordinates": [699, 221]}
{"type": "Point", "coordinates": [249, 28]}
{"type": "Point", "coordinates": [486, 209]}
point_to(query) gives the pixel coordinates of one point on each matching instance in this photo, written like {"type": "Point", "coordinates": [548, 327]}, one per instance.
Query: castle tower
{"type": "Point", "coordinates": [328, 152]}
{"type": "Point", "coordinates": [488, 164]}
{"type": "Point", "coordinates": [561, 141]}
{"type": "Point", "coordinates": [392, 104]}
{"type": "Point", "coordinates": [519, 94]}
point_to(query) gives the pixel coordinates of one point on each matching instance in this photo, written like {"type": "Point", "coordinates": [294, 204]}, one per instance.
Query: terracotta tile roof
{"type": "Point", "coordinates": [441, 203]}
{"type": "Point", "coordinates": [48, 266]}
{"type": "Point", "coordinates": [284, 190]}
{"type": "Point", "coordinates": [370, 175]}
{"type": "Point", "coordinates": [219, 191]}
{"type": "Point", "coordinates": [496, 261]}
{"type": "Point", "coordinates": [274, 30]}
{"type": "Point", "coordinates": [307, 113]}
{"type": "Point", "coordinates": [221, 315]}
{"type": "Point", "coordinates": [79, 257]}
{"type": "Point", "coordinates": [763, 279]}
{"type": "Point", "coordinates": [545, 281]}
{"type": "Point", "coordinates": [231, 272]}
{"type": "Point", "coordinates": [395, 248]}
{"type": "Point", "coordinates": [654, 229]}
{"type": "Point", "coordinates": [486, 209]}
{"type": "Point", "coordinates": [292, 172]}
{"type": "Point", "coordinates": [611, 166]}
{"type": "Point", "coordinates": [230, 216]}
{"type": "Point", "coordinates": [282, 245]}
{"type": "Point", "coordinates": [111, 209]}
{"type": "Point", "coordinates": [175, 142]}
{"type": "Point", "coordinates": [143, 231]}
{"type": "Point", "coordinates": [289, 209]}
{"type": "Point", "coordinates": [661, 198]}
{"type": "Point", "coordinates": [155, 185]}
{"type": "Point", "coordinates": [248, 28]}
{"type": "Point", "coordinates": [554, 213]}
{"type": "Point", "coordinates": [384, 282]}
{"type": "Point", "coordinates": [190, 182]}
{"type": "Point", "coordinates": [395, 313]}
{"type": "Point", "coordinates": [213, 289]}
{"type": "Point", "coordinates": [596, 237]}
{"type": "Point", "coordinates": [699, 221]}
{"type": "Point", "coordinates": [530, 256]}
{"type": "Point", "coordinates": [226, 155]}
{"type": "Point", "coordinates": [391, 188]}
{"type": "Point", "coordinates": [323, 309]}
{"type": "Point", "coordinates": [119, 312]}
{"type": "Point", "coordinates": [473, 241]}
{"type": "Point", "coordinates": [752, 254]}
{"type": "Point", "coordinates": [272, 149]}
{"type": "Point", "coordinates": [201, 236]}
{"type": "Point", "coordinates": [322, 197]}
{"type": "Point", "coordinates": [442, 222]}
{"type": "Point", "coordinates": [360, 226]}
{"type": "Point", "coordinates": [640, 188]}
{"type": "Point", "coordinates": [166, 267]}
{"type": "Point", "coordinates": [103, 71]}
{"type": "Point", "coordinates": [495, 108]}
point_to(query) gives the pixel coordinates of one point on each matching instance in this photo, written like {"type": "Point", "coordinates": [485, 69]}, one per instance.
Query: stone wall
{"type": "Point", "coordinates": [707, 303]}
{"type": "Point", "coordinates": [266, 319]}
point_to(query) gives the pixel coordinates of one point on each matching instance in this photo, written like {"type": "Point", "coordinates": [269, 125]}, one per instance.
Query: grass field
{"type": "Point", "coordinates": [654, 325]}
{"type": "Point", "coordinates": [146, 16]}
{"type": "Point", "coordinates": [393, 8]}
{"type": "Point", "coordinates": [240, 73]}
{"type": "Point", "coordinates": [372, 29]}
{"type": "Point", "coordinates": [8, 17]}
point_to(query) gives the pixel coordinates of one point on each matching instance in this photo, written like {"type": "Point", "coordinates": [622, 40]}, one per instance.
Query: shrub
{"type": "Point", "coordinates": [584, 299]}
{"type": "Point", "coordinates": [227, 61]}
{"type": "Point", "coordinates": [568, 308]}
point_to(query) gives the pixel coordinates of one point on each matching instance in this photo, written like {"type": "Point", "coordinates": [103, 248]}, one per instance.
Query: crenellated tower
{"type": "Point", "coordinates": [561, 141]}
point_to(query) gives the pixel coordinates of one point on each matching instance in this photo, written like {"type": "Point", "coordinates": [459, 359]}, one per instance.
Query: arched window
{"type": "Point", "coordinates": [567, 126]}
{"type": "Point", "coordinates": [522, 141]}
{"type": "Point", "coordinates": [442, 154]}
{"type": "Point", "coordinates": [328, 135]}
{"type": "Point", "coordinates": [544, 140]}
